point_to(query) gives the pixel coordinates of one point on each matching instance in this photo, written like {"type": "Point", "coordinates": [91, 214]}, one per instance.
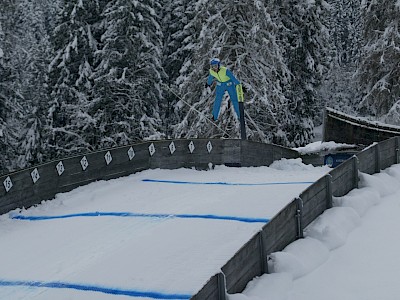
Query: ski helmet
{"type": "Point", "coordinates": [215, 61]}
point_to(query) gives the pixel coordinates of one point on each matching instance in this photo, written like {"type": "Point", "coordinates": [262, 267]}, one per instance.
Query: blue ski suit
{"type": "Point", "coordinates": [225, 81]}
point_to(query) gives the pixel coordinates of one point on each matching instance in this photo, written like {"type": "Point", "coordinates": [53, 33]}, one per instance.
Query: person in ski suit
{"type": "Point", "coordinates": [225, 81]}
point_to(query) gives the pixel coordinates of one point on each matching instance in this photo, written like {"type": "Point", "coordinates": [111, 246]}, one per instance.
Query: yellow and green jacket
{"type": "Point", "coordinates": [222, 76]}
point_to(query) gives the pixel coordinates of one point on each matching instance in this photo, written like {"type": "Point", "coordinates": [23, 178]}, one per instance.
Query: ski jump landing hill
{"type": "Point", "coordinates": [30, 186]}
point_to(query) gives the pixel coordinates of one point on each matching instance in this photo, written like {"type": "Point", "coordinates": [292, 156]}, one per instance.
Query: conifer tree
{"type": "Point", "coordinates": [118, 71]}
{"type": "Point", "coordinates": [127, 95]}
{"type": "Point", "coordinates": [307, 56]}
{"type": "Point", "coordinates": [379, 70]}
{"type": "Point", "coordinates": [340, 90]}
{"type": "Point", "coordinates": [70, 128]}
{"type": "Point", "coordinates": [15, 55]}
{"type": "Point", "coordinates": [177, 34]}
{"type": "Point", "coordinates": [4, 80]}
{"type": "Point", "coordinates": [177, 16]}
{"type": "Point", "coordinates": [33, 48]}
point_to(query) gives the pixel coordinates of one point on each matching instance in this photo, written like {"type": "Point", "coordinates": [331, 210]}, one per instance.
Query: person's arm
{"type": "Point", "coordinates": [232, 77]}
{"type": "Point", "coordinates": [210, 80]}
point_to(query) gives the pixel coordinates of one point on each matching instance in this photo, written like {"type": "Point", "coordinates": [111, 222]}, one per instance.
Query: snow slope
{"type": "Point", "coordinates": [157, 234]}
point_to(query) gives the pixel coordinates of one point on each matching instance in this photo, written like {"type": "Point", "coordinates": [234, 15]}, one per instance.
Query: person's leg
{"type": "Point", "coordinates": [233, 95]}
{"type": "Point", "coordinates": [217, 103]}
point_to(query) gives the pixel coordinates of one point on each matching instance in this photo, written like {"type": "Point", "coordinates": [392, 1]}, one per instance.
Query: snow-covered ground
{"type": "Point", "coordinates": [163, 238]}
{"type": "Point", "coordinates": [156, 234]}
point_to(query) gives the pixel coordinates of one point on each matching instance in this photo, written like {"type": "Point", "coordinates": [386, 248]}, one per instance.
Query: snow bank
{"type": "Point", "coordinates": [382, 182]}
{"type": "Point", "coordinates": [360, 199]}
{"type": "Point", "coordinates": [270, 286]}
{"type": "Point", "coordinates": [393, 171]}
{"type": "Point", "coordinates": [322, 146]}
{"type": "Point", "coordinates": [294, 164]}
{"type": "Point", "coordinates": [333, 226]}
{"type": "Point", "coordinates": [298, 258]}
{"type": "Point", "coordinates": [328, 232]}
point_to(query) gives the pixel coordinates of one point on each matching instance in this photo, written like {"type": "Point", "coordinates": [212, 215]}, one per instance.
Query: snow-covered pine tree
{"type": "Point", "coordinates": [345, 29]}
{"type": "Point", "coordinates": [242, 35]}
{"type": "Point", "coordinates": [69, 126]}
{"type": "Point", "coordinates": [12, 63]}
{"type": "Point", "coordinates": [379, 70]}
{"type": "Point", "coordinates": [176, 16]}
{"type": "Point", "coordinates": [177, 33]}
{"type": "Point", "coordinates": [4, 79]}
{"type": "Point", "coordinates": [127, 92]}
{"type": "Point", "coordinates": [307, 55]}
{"type": "Point", "coordinates": [8, 107]}
{"type": "Point", "coordinates": [340, 89]}
{"type": "Point", "coordinates": [33, 19]}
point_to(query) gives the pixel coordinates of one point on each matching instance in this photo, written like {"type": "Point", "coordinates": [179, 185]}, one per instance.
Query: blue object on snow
{"type": "Point", "coordinates": [333, 160]}
{"type": "Point", "coordinates": [225, 183]}
{"type": "Point", "coordinates": [92, 288]}
{"type": "Point", "coordinates": [142, 215]}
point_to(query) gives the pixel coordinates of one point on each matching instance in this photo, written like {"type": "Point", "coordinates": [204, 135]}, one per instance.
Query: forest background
{"type": "Point", "coordinates": [81, 75]}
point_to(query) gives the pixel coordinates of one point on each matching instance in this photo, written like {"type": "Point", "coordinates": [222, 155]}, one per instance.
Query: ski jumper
{"type": "Point", "coordinates": [226, 81]}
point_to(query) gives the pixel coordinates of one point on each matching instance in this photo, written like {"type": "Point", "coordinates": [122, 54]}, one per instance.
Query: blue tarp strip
{"type": "Point", "coordinates": [93, 288]}
{"type": "Point", "coordinates": [225, 183]}
{"type": "Point", "coordinates": [129, 214]}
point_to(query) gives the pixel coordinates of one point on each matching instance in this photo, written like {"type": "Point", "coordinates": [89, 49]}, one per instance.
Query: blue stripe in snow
{"type": "Point", "coordinates": [92, 288]}
{"type": "Point", "coordinates": [128, 214]}
{"type": "Point", "coordinates": [225, 183]}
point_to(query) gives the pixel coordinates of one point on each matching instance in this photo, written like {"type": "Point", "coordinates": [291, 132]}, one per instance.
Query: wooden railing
{"type": "Point", "coordinates": [343, 128]}
{"type": "Point", "coordinates": [30, 186]}
{"type": "Point", "coordinates": [288, 225]}
{"type": "Point", "coordinates": [33, 185]}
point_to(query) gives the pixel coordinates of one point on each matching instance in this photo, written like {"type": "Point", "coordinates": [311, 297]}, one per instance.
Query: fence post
{"type": "Point", "coordinates": [329, 201]}
{"type": "Point", "coordinates": [377, 158]}
{"type": "Point", "coordinates": [325, 115]}
{"type": "Point", "coordinates": [263, 256]}
{"type": "Point", "coordinates": [299, 218]}
{"type": "Point", "coordinates": [355, 171]}
{"type": "Point", "coordinates": [221, 286]}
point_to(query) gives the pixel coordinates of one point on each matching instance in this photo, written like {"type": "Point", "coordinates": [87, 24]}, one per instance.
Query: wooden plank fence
{"type": "Point", "coordinates": [30, 186]}
{"type": "Point", "coordinates": [342, 128]}
{"type": "Point", "coordinates": [288, 225]}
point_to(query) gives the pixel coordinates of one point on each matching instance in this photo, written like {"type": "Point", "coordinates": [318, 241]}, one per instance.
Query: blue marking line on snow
{"type": "Point", "coordinates": [225, 183]}
{"type": "Point", "coordinates": [92, 288]}
{"type": "Point", "coordinates": [128, 214]}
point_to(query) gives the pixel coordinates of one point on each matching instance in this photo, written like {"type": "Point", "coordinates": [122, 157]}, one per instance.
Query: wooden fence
{"type": "Point", "coordinates": [288, 225]}
{"type": "Point", "coordinates": [343, 128]}
{"type": "Point", "coordinates": [30, 186]}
